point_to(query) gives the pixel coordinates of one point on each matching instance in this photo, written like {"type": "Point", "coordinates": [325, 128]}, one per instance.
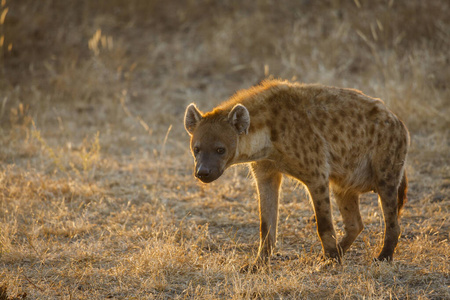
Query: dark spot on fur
{"type": "Point", "coordinates": [322, 219]}
{"type": "Point", "coordinates": [390, 188]}
{"type": "Point", "coordinates": [392, 225]}
{"type": "Point", "coordinates": [321, 189]}
{"type": "Point", "coordinates": [323, 223]}
{"type": "Point", "coordinates": [373, 112]}
{"type": "Point", "coordinates": [380, 139]}
{"type": "Point", "coordinates": [275, 110]}
{"type": "Point", "coordinates": [273, 135]}
{"type": "Point", "coordinates": [382, 183]}
{"type": "Point", "coordinates": [400, 147]}
{"type": "Point", "coordinates": [360, 117]}
{"type": "Point", "coordinates": [302, 140]}
{"type": "Point", "coordinates": [335, 120]}
{"type": "Point", "coordinates": [335, 138]}
{"type": "Point", "coordinates": [317, 162]}
{"type": "Point", "coordinates": [316, 147]}
{"type": "Point", "coordinates": [391, 177]}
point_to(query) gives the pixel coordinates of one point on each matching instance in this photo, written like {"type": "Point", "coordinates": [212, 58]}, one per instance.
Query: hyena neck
{"type": "Point", "coordinates": [252, 147]}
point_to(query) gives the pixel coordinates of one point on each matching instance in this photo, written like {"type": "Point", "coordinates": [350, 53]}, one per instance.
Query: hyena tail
{"type": "Point", "coordinates": [402, 189]}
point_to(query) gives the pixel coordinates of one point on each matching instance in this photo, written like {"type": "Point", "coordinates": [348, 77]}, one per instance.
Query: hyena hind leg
{"type": "Point", "coordinates": [388, 199]}
{"type": "Point", "coordinates": [322, 209]}
{"type": "Point", "coordinates": [348, 204]}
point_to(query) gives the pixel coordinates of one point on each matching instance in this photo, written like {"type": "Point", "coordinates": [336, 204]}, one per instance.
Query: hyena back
{"type": "Point", "coordinates": [325, 137]}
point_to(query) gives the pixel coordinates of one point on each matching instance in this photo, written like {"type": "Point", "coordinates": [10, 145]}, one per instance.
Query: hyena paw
{"type": "Point", "coordinates": [383, 257]}
{"type": "Point", "coordinates": [333, 255]}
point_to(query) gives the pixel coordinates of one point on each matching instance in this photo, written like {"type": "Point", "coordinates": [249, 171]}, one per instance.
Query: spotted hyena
{"type": "Point", "coordinates": [326, 137]}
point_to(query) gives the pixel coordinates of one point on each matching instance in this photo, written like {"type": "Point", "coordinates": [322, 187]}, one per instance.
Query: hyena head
{"type": "Point", "coordinates": [214, 138]}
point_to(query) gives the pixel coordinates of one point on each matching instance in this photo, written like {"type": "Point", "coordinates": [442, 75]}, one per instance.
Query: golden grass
{"type": "Point", "coordinates": [97, 199]}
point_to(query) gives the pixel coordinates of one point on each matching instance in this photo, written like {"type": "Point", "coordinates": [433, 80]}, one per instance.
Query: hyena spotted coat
{"type": "Point", "coordinates": [326, 137]}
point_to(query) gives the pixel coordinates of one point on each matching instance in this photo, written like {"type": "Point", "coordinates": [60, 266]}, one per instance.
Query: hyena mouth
{"type": "Point", "coordinates": [207, 180]}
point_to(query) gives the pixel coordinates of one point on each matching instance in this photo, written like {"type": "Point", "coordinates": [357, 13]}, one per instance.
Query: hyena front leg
{"type": "Point", "coordinates": [268, 181]}
{"type": "Point", "coordinates": [320, 195]}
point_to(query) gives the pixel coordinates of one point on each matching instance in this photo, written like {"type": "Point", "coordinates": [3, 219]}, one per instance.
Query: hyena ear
{"type": "Point", "coordinates": [191, 118]}
{"type": "Point", "coordinates": [239, 118]}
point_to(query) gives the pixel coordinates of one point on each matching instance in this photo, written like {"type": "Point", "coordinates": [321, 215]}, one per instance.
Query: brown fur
{"type": "Point", "coordinates": [402, 190]}
{"type": "Point", "coordinates": [326, 137]}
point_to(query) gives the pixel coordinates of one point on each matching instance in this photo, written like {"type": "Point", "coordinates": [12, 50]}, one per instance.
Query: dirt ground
{"type": "Point", "coordinates": [97, 197]}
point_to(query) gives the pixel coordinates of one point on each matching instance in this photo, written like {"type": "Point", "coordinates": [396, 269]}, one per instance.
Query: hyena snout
{"type": "Point", "coordinates": [206, 174]}
{"type": "Point", "coordinates": [202, 172]}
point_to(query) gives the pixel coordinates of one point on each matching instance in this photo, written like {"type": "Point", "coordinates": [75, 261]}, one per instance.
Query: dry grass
{"type": "Point", "coordinates": [97, 199]}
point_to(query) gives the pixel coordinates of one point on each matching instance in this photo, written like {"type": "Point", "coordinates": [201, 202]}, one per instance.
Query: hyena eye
{"type": "Point", "coordinates": [220, 150]}
{"type": "Point", "coordinates": [196, 150]}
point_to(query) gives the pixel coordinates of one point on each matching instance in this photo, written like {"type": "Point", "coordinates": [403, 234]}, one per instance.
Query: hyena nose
{"type": "Point", "coordinates": [202, 173]}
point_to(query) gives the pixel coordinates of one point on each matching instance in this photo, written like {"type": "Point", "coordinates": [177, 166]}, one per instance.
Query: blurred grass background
{"type": "Point", "coordinates": [180, 51]}
{"type": "Point", "coordinates": [96, 193]}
